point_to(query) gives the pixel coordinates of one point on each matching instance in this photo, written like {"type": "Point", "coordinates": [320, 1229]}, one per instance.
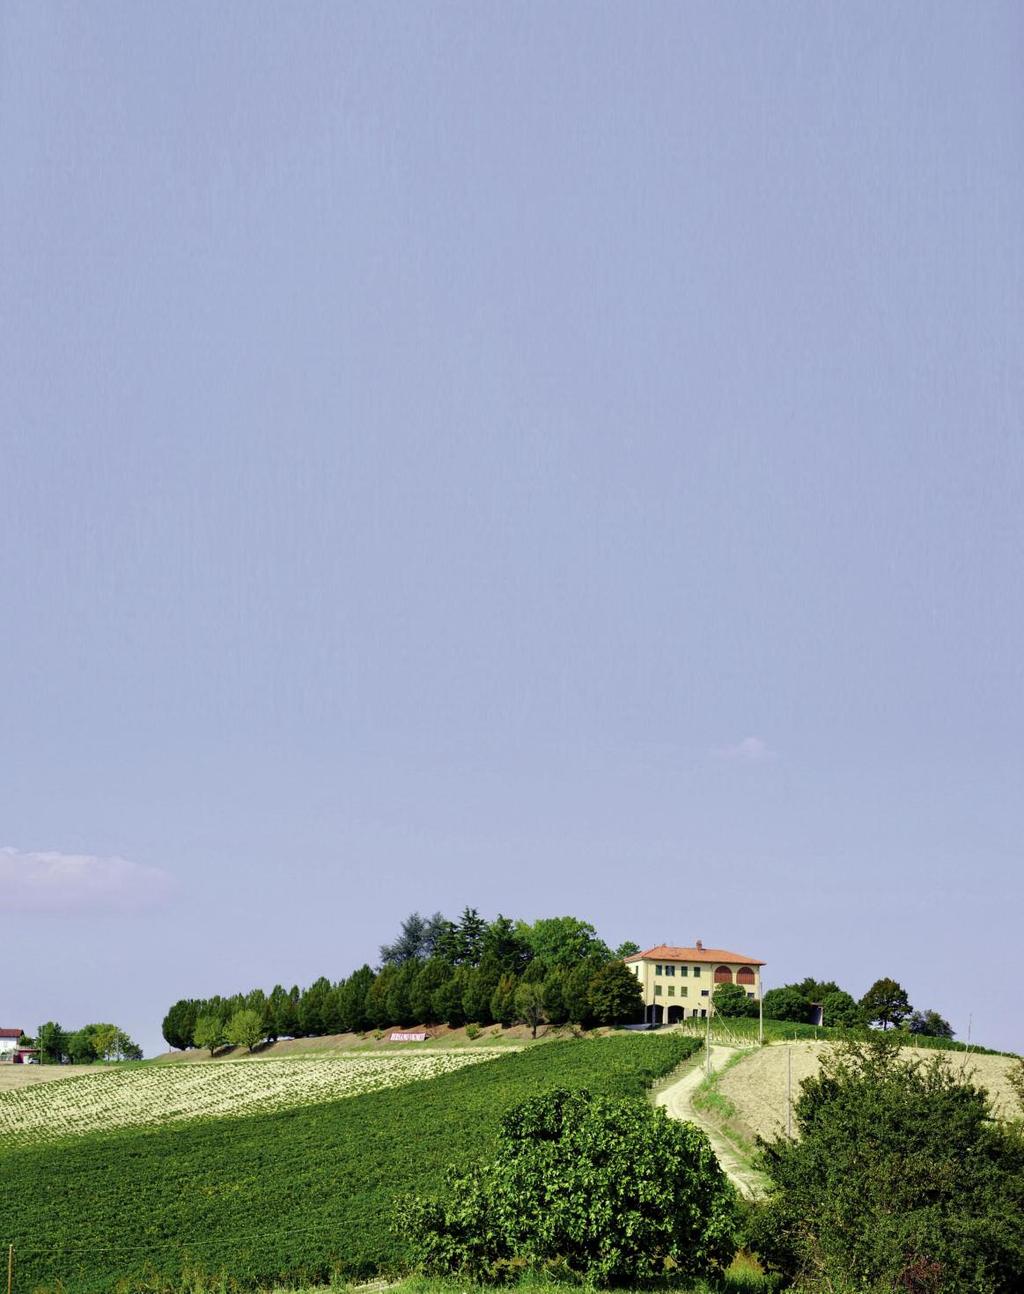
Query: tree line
{"type": "Point", "coordinates": [59, 1046]}
{"type": "Point", "coordinates": [437, 971]}
{"type": "Point", "coordinates": [885, 1003]}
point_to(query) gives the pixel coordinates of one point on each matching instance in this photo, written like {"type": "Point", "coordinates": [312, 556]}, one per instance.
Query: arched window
{"type": "Point", "coordinates": [744, 975]}
{"type": "Point", "coordinates": [723, 975]}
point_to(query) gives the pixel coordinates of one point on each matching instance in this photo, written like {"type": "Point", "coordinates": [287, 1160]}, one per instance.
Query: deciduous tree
{"type": "Point", "coordinates": [615, 995]}
{"type": "Point", "coordinates": [529, 1005]}
{"type": "Point", "coordinates": [886, 1003]}
{"type": "Point", "coordinates": [210, 1032]}
{"type": "Point", "coordinates": [245, 1028]}
{"type": "Point", "coordinates": [730, 1000]}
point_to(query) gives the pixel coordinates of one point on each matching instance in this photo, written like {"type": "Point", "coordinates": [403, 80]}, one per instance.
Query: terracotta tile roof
{"type": "Point", "coordinates": [666, 953]}
{"type": "Point", "coordinates": [10, 1033]}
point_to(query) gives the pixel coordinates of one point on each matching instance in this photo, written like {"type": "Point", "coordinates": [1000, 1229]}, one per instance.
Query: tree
{"type": "Point", "coordinates": [608, 1192]}
{"type": "Point", "coordinates": [929, 1024]}
{"type": "Point", "coordinates": [274, 1011]}
{"type": "Point", "coordinates": [477, 993]}
{"type": "Point", "coordinates": [448, 998]}
{"type": "Point", "coordinates": [554, 996]}
{"type": "Point", "coordinates": [615, 995]}
{"type": "Point", "coordinates": [311, 1008]}
{"type": "Point", "coordinates": [416, 941]}
{"type": "Point", "coordinates": [563, 941]}
{"type": "Point", "coordinates": [354, 1007]}
{"type": "Point", "coordinates": [576, 993]}
{"type": "Point", "coordinates": [529, 1005]}
{"type": "Point", "coordinates": [399, 995]}
{"type": "Point", "coordinates": [106, 1039]}
{"type": "Point", "coordinates": [429, 978]}
{"type": "Point", "coordinates": [786, 1004]}
{"type": "Point", "coordinates": [245, 1028]}
{"type": "Point", "coordinates": [900, 1180]}
{"type": "Point", "coordinates": [627, 949]}
{"type": "Point", "coordinates": [503, 1001]}
{"type": "Point", "coordinates": [840, 1010]}
{"type": "Point", "coordinates": [79, 1046]}
{"type": "Point", "coordinates": [730, 1000]}
{"type": "Point", "coordinates": [180, 1023]}
{"type": "Point", "coordinates": [210, 1032]}
{"type": "Point", "coordinates": [52, 1042]}
{"type": "Point", "coordinates": [125, 1048]}
{"type": "Point", "coordinates": [815, 990]}
{"type": "Point", "coordinates": [504, 951]}
{"type": "Point", "coordinates": [886, 1003]}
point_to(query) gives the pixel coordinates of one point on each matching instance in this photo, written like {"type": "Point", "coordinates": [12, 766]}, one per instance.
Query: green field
{"type": "Point", "coordinates": [292, 1195]}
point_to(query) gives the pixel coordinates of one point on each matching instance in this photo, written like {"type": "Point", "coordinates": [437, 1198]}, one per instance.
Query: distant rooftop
{"type": "Point", "coordinates": [668, 953]}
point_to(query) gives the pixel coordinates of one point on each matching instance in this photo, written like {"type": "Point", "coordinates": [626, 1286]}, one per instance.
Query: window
{"type": "Point", "coordinates": [750, 995]}
{"type": "Point", "coordinates": [683, 991]}
{"type": "Point", "coordinates": [684, 970]}
{"type": "Point", "coordinates": [744, 975]}
{"type": "Point", "coordinates": [657, 969]}
{"type": "Point", "coordinates": [671, 990]}
{"type": "Point", "coordinates": [657, 990]}
{"type": "Point", "coordinates": [703, 993]}
{"type": "Point", "coordinates": [696, 972]}
{"type": "Point", "coordinates": [670, 970]}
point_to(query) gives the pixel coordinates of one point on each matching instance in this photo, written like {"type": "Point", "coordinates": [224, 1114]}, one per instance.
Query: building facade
{"type": "Point", "coordinates": [9, 1044]}
{"type": "Point", "coordinates": [677, 983]}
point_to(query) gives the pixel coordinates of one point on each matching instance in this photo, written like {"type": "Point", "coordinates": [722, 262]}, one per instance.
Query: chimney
{"type": "Point", "coordinates": [700, 946]}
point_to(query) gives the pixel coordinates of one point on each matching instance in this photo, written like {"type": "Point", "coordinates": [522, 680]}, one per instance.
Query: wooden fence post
{"type": "Point", "coordinates": [10, 1269]}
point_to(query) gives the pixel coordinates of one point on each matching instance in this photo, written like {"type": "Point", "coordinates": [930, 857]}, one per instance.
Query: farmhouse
{"type": "Point", "coordinates": [677, 983]}
{"type": "Point", "coordinates": [9, 1044]}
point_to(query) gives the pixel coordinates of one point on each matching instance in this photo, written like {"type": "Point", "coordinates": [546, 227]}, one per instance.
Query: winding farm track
{"type": "Point", "coordinates": [677, 1099]}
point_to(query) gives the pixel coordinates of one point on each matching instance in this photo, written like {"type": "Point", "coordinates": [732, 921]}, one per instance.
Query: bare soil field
{"type": "Point", "coordinates": [13, 1077]}
{"type": "Point", "coordinates": [756, 1086]}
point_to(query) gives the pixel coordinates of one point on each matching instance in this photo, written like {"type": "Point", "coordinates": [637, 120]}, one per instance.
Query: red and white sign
{"type": "Point", "coordinates": [408, 1037]}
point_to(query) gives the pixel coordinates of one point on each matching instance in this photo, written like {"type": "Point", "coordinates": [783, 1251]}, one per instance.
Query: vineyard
{"type": "Point", "coordinates": [291, 1196]}
{"type": "Point", "coordinates": [174, 1093]}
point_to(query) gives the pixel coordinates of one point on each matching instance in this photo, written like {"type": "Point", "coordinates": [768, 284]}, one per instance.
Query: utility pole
{"type": "Point", "coordinates": [760, 1015]}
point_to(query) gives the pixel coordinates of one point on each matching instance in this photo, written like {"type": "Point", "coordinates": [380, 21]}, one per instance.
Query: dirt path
{"type": "Point", "coordinates": [678, 1102]}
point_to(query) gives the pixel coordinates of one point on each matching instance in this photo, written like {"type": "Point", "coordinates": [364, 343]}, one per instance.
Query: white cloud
{"type": "Point", "coordinates": [751, 750]}
{"type": "Point", "coordinates": [51, 882]}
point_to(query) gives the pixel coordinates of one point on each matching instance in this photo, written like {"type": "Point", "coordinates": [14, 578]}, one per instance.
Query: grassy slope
{"type": "Point", "coordinates": [287, 1196]}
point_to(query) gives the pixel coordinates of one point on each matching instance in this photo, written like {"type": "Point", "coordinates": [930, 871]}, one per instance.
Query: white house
{"type": "Point", "coordinates": [9, 1044]}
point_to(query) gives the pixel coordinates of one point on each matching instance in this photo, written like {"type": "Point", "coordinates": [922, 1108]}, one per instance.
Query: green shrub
{"type": "Point", "coordinates": [901, 1180]}
{"type": "Point", "coordinates": [600, 1190]}
{"type": "Point", "coordinates": [473, 1032]}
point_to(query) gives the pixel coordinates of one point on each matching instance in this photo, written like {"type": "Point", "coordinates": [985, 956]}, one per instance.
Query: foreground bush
{"type": "Point", "coordinates": [901, 1181]}
{"type": "Point", "coordinates": [600, 1190]}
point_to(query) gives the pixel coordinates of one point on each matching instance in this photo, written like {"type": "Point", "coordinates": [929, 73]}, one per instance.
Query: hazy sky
{"type": "Point", "coordinates": [555, 458]}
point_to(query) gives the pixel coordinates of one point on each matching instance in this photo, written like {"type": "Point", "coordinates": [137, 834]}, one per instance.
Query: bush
{"type": "Point", "coordinates": [731, 1001]}
{"type": "Point", "coordinates": [600, 1190]}
{"type": "Point", "coordinates": [786, 1004]}
{"type": "Point", "coordinates": [901, 1180]}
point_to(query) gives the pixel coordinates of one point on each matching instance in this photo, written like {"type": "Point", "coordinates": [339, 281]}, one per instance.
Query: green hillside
{"type": "Point", "coordinates": [291, 1195]}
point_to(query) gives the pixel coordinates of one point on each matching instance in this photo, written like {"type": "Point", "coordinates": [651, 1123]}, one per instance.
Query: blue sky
{"type": "Point", "coordinates": [555, 459]}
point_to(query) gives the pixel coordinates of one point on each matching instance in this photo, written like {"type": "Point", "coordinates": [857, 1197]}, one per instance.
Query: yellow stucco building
{"type": "Point", "coordinates": [677, 983]}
